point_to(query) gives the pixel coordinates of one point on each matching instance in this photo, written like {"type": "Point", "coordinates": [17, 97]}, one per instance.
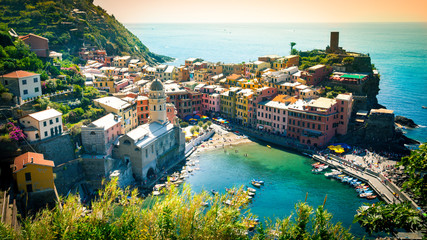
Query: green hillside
{"type": "Point", "coordinates": [68, 24]}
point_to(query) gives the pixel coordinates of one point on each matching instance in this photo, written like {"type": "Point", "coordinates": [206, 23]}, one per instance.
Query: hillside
{"type": "Point", "coordinates": [68, 24]}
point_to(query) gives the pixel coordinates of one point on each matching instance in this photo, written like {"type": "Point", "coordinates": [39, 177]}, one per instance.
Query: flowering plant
{"type": "Point", "coordinates": [15, 132]}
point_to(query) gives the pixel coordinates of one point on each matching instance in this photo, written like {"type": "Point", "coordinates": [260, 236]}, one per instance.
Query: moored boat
{"type": "Point", "coordinates": [214, 192]}
{"type": "Point", "coordinates": [256, 184]}
{"type": "Point", "coordinates": [251, 189]}
{"type": "Point", "coordinates": [371, 197]}
{"type": "Point", "coordinates": [363, 195]}
{"type": "Point", "coordinates": [258, 181]}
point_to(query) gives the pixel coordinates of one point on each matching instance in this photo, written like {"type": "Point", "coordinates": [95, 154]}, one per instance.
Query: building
{"type": "Point", "coordinates": [98, 136]}
{"type": "Point", "coordinates": [121, 61]}
{"type": "Point", "coordinates": [170, 112]}
{"type": "Point", "coordinates": [22, 84]}
{"type": "Point", "coordinates": [126, 111]}
{"type": "Point", "coordinates": [142, 109]}
{"type": "Point", "coordinates": [316, 122]}
{"type": "Point", "coordinates": [42, 125]}
{"type": "Point", "coordinates": [272, 115]}
{"type": "Point", "coordinates": [38, 44]}
{"type": "Point", "coordinates": [228, 102]}
{"type": "Point", "coordinates": [182, 74]}
{"type": "Point", "coordinates": [33, 173]}
{"type": "Point", "coordinates": [315, 75]}
{"type": "Point", "coordinates": [333, 46]}
{"type": "Point", "coordinates": [152, 147]}
{"type": "Point", "coordinates": [211, 99]}
{"type": "Point", "coordinates": [261, 94]}
{"type": "Point", "coordinates": [242, 106]}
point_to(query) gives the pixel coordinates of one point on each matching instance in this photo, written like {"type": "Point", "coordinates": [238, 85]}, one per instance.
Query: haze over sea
{"type": "Point", "coordinates": [398, 50]}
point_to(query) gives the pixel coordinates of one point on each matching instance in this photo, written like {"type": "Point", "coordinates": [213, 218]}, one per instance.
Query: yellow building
{"type": "Point", "coordinates": [232, 80]}
{"type": "Point", "coordinates": [250, 84]}
{"type": "Point", "coordinates": [33, 173]}
{"type": "Point", "coordinates": [104, 83]}
{"type": "Point", "coordinates": [127, 111]}
{"type": "Point", "coordinates": [228, 102]}
{"type": "Point", "coordinates": [242, 106]}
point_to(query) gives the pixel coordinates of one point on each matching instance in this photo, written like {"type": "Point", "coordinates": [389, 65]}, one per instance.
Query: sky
{"type": "Point", "coordinates": [262, 11]}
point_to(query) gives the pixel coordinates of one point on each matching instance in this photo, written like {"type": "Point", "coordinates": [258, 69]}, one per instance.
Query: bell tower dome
{"type": "Point", "coordinates": [157, 102]}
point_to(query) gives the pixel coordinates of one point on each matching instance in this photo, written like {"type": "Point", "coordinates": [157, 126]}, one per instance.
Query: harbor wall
{"type": "Point", "coordinates": [194, 142]}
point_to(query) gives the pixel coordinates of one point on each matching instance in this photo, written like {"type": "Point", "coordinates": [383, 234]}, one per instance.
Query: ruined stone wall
{"type": "Point", "coordinates": [67, 175]}
{"type": "Point", "coordinates": [49, 148]}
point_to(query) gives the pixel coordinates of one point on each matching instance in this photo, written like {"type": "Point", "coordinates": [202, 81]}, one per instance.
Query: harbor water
{"type": "Point", "coordinates": [288, 178]}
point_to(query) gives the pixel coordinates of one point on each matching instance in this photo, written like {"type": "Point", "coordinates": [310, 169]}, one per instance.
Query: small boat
{"type": "Point", "coordinates": [214, 192]}
{"type": "Point", "coordinates": [371, 197]}
{"type": "Point", "coordinates": [314, 164]}
{"type": "Point", "coordinates": [228, 202]}
{"type": "Point", "coordinates": [251, 189]}
{"type": "Point", "coordinates": [268, 146]}
{"type": "Point", "coordinates": [363, 195]}
{"type": "Point", "coordinates": [156, 193]}
{"type": "Point", "coordinates": [256, 184]}
{"type": "Point", "coordinates": [205, 204]}
{"type": "Point", "coordinates": [251, 194]}
{"type": "Point", "coordinates": [230, 191]}
{"type": "Point", "coordinates": [424, 107]}
{"type": "Point", "coordinates": [258, 181]}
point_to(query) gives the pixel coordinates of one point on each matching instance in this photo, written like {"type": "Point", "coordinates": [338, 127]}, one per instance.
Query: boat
{"type": "Point", "coordinates": [251, 189]}
{"type": "Point", "coordinates": [268, 146]}
{"type": "Point", "coordinates": [156, 193]}
{"type": "Point", "coordinates": [230, 191]}
{"type": "Point", "coordinates": [214, 192]}
{"type": "Point", "coordinates": [251, 194]}
{"type": "Point", "coordinates": [371, 197]}
{"type": "Point", "coordinates": [314, 164]}
{"type": "Point", "coordinates": [205, 204]}
{"type": "Point", "coordinates": [258, 181]}
{"type": "Point", "coordinates": [424, 107]}
{"type": "Point", "coordinates": [363, 195]}
{"type": "Point", "coordinates": [228, 202]}
{"type": "Point", "coordinates": [256, 184]}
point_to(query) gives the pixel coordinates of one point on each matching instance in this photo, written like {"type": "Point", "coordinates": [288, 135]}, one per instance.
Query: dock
{"type": "Point", "coordinates": [355, 171]}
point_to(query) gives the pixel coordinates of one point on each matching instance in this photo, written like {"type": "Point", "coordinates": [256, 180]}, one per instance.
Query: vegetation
{"type": "Point", "coordinates": [120, 214]}
{"type": "Point", "coordinates": [311, 58]}
{"type": "Point", "coordinates": [416, 168]}
{"type": "Point", "coordinates": [183, 124]}
{"type": "Point", "coordinates": [332, 92]}
{"type": "Point", "coordinates": [381, 217]}
{"type": "Point", "coordinates": [292, 44]}
{"type": "Point", "coordinates": [67, 29]}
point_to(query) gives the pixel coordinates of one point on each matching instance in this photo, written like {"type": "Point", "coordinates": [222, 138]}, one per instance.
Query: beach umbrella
{"type": "Point", "coordinates": [196, 116]}
{"type": "Point", "coordinates": [331, 147]}
{"type": "Point", "coordinates": [188, 117]}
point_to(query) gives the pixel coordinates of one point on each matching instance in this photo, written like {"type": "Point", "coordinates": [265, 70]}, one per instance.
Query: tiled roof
{"type": "Point", "coordinates": [20, 74]}
{"type": "Point", "coordinates": [31, 158]}
{"type": "Point", "coordinates": [45, 114]}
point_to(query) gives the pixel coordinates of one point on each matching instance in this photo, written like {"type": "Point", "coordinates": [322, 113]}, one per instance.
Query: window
{"type": "Point", "coordinates": [45, 133]}
{"type": "Point", "coordinates": [27, 176]}
{"type": "Point", "coordinates": [57, 119]}
{"type": "Point", "coordinates": [50, 121]}
{"type": "Point", "coordinates": [92, 133]}
{"type": "Point", "coordinates": [36, 80]}
{"type": "Point", "coordinates": [36, 89]}
{"type": "Point", "coordinates": [5, 82]}
{"type": "Point", "coordinates": [24, 82]}
{"type": "Point", "coordinates": [29, 188]}
{"type": "Point", "coordinates": [25, 92]}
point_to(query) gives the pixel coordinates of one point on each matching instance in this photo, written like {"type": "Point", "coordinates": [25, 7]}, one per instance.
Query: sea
{"type": "Point", "coordinates": [398, 50]}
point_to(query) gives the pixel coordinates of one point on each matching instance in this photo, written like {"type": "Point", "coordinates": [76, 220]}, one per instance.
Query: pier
{"type": "Point", "coordinates": [364, 175]}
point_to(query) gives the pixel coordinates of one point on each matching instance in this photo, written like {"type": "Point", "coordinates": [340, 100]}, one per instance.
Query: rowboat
{"type": "Point", "coordinates": [214, 192]}
{"type": "Point", "coordinates": [258, 181]}
{"type": "Point", "coordinates": [371, 197]}
{"type": "Point", "coordinates": [365, 195]}
{"type": "Point", "coordinates": [251, 189]}
{"type": "Point", "coordinates": [156, 193]}
{"type": "Point", "coordinates": [251, 194]}
{"type": "Point", "coordinates": [256, 184]}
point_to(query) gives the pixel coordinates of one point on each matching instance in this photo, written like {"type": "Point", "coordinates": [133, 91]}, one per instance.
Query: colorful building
{"type": "Point", "coordinates": [228, 102]}
{"type": "Point", "coordinates": [127, 111]}
{"type": "Point", "coordinates": [142, 110]}
{"type": "Point", "coordinates": [22, 84]}
{"type": "Point", "coordinates": [272, 115]}
{"type": "Point", "coordinates": [261, 94]}
{"type": "Point", "coordinates": [98, 137]}
{"type": "Point", "coordinates": [38, 44]}
{"type": "Point", "coordinates": [33, 173]}
{"type": "Point", "coordinates": [316, 74]}
{"type": "Point", "coordinates": [42, 125]}
{"type": "Point", "coordinates": [242, 106]}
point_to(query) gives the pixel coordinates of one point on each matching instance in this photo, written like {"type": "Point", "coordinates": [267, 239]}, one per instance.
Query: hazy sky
{"type": "Point", "coordinates": [195, 11]}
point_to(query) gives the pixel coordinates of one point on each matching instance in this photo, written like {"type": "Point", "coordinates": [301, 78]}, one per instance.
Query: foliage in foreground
{"type": "Point", "coordinates": [120, 214]}
{"type": "Point", "coordinates": [382, 217]}
{"type": "Point", "coordinates": [416, 168]}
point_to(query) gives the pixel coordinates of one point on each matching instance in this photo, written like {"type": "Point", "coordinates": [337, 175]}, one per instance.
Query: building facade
{"type": "Point", "coordinates": [22, 84]}
{"type": "Point", "coordinates": [42, 125]}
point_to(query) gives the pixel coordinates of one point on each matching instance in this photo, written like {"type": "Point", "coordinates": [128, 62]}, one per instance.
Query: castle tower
{"type": "Point", "coordinates": [335, 38]}
{"type": "Point", "coordinates": [157, 102]}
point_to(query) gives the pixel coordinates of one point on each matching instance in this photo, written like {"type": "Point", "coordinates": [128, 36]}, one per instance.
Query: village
{"type": "Point", "coordinates": [139, 118]}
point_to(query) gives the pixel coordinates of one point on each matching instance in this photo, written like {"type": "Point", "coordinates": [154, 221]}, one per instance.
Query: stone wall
{"type": "Point", "coordinates": [94, 171]}
{"type": "Point", "coordinates": [49, 148]}
{"type": "Point", "coordinates": [380, 127]}
{"type": "Point", "coordinates": [67, 175]}
{"type": "Point", "coordinates": [93, 140]}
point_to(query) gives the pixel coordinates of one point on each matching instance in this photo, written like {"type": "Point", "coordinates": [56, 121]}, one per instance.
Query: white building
{"type": "Point", "coordinates": [22, 84]}
{"type": "Point", "coordinates": [43, 124]}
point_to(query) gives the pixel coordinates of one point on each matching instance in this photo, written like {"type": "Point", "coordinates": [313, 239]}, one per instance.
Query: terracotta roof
{"type": "Point", "coordinates": [234, 76]}
{"type": "Point", "coordinates": [34, 35]}
{"type": "Point", "coordinates": [20, 74]}
{"type": "Point", "coordinates": [31, 158]}
{"type": "Point", "coordinates": [284, 99]}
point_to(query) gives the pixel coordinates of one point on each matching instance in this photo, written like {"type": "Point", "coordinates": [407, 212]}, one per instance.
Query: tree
{"type": "Point", "coordinates": [183, 124]}
{"type": "Point", "coordinates": [381, 217]}
{"type": "Point", "coordinates": [205, 126]}
{"type": "Point", "coordinates": [192, 130]}
{"type": "Point", "coordinates": [416, 168]}
{"type": "Point", "coordinates": [209, 123]}
{"type": "Point", "coordinates": [200, 123]}
{"type": "Point", "coordinates": [292, 46]}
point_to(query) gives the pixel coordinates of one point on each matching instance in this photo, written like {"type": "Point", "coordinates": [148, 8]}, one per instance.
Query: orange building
{"type": "Point", "coordinates": [33, 173]}
{"type": "Point", "coordinates": [142, 109]}
{"type": "Point", "coordinates": [38, 44]}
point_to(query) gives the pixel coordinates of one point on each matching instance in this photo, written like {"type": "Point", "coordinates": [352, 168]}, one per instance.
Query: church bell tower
{"type": "Point", "coordinates": [157, 102]}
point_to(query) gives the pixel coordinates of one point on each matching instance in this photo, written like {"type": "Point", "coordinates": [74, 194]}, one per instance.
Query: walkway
{"type": "Point", "coordinates": [376, 184]}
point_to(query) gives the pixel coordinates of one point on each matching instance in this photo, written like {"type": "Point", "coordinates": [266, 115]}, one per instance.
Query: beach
{"type": "Point", "coordinates": [222, 139]}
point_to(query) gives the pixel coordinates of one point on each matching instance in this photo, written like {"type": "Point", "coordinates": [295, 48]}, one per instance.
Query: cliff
{"type": "Point", "coordinates": [68, 24]}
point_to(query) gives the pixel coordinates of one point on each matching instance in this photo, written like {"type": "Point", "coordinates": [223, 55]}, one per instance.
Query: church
{"type": "Point", "coordinates": [152, 147]}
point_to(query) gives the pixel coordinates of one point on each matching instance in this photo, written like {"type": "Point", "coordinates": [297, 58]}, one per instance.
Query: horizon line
{"type": "Point", "coordinates": [264, 22]}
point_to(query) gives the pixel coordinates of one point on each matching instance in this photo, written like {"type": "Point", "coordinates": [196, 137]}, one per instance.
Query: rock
{"type": "Point", "coordinates": [405, 122]}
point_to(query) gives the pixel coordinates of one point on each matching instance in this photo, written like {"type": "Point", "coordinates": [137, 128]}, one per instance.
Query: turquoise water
{"type": "Point", "coordinates": [287, 179]}
{"type": "Point", "coordinates": [398, 50]}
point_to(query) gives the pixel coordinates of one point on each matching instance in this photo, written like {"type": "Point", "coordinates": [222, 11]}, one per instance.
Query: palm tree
{"type": "Point", "coordinates": [292, 45]}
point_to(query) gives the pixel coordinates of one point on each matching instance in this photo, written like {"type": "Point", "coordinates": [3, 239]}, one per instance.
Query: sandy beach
{"type": "Point", "coordinates": [221, 139]}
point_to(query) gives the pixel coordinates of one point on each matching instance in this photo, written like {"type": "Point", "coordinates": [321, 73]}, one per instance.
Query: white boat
{"type": "Point", "coordinates": [251, 194]}
{"type": "Point", "coordinates": [251, 189]}
{"type": "Point", "coordinates": [156, 193]}
{"type": "Point", "coordinates": [256, 184]}
{"type": "Point", "coordinates": [365, 194]}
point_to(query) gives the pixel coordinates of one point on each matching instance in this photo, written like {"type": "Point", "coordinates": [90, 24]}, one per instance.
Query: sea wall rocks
{"type": "Point", "coordinates": [405, 122]}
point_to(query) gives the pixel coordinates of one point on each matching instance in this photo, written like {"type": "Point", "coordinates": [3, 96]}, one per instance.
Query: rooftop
{"type": "Point", "coordinates": [345, 97]}
{"type": "Point", "coordinates": [20, 74]}
{"type": "Point", "coordinates": [234, 76]}
{"type": "Point", "coordinates": [316, 67]}
{"type": "Point", "coordinates": [45, 114]}
{"type": "Point", "coordinates": [106, 121]}
{"type": "Point", "coordinates": [354, 76]}
{"type": "Point", "coordinates": [113, 102]}
{"type": "Point", "coordinates": [146, 133]}
{"type": "Point", "coordinates": [322, 103]}
{"type": "Point", "coordinates": [31, 158]}
{"type": "Point", "coordinates": [381, 111]}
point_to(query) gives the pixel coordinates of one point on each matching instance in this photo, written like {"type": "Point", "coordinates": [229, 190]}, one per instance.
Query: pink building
{"type": "Point", "coordinates": [272, 115]}
{"type": "Point", "coordinates": [170, 112]}
{"type": "Point", "coordinates": [261, 94]}
{"type": "Point", "coordinates": [316, 74]}
{"type": "Point", "coordinates": [211, 99]}
{"type": "Point", "coordinates": [98, 137]}
{"type": "Point", "coordinates": [316, 122]}
{"type": "Point", "coordinates": [121, 84]}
